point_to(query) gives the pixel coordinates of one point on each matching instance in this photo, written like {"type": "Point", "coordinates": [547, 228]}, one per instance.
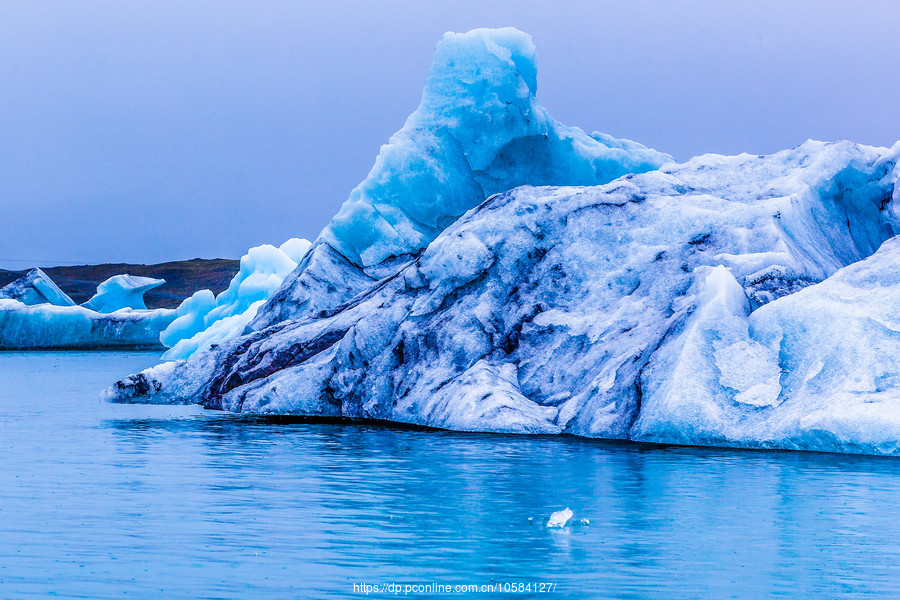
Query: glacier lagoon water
{"type": "Point", "coordinates": [113, 501]}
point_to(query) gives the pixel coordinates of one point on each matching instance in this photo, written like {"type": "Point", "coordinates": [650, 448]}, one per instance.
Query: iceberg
{"type": "Point", "coordinates": [36, 315]}
{"type": "Point", "coordinates": [478, 130]}
{"type": "Point", "coordinates": [122, 291]}
{"type": "Point", "coordinates": [587, 311]}
{"type": "Point", "coordinates": [50, 327]}
{"type": "Point", "coordinates": [35, 288]}
{"type": "Point", "coordinates": [631, 310]}
{"type": "Point", "coordinates": [743, 301]}
{"type": "Point", "coordinates": [204, 320]}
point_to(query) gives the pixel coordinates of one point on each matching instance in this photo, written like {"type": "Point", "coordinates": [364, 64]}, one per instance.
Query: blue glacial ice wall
{"type": "Point", "coordinates": [479, 130]}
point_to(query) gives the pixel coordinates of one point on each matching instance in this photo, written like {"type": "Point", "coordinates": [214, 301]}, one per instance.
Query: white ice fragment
{"type": "Point", "coordinates": [559, 518]}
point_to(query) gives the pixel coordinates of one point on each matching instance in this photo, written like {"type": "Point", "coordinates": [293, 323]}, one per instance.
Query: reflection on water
{"type": "Point", "coordinates": [101, 500]}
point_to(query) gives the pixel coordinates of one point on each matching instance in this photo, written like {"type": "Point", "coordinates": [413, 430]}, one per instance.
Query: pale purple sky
{"type": "Point", "coordinates": [144, 131]}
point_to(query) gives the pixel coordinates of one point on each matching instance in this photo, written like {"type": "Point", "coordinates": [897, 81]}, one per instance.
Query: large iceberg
{"type": "Point", "coordinates": [730, 300]}
{"type": "Point", "coordinates": [122, 291]}
{"type": "Point", "coordinates": [478, 130]}
{"type": "Point", "coordinates": [35, 288]}
{"type": "Point", "coordinates": [204, 320]}
{"type": "Point", "coordinates": [615, 311]}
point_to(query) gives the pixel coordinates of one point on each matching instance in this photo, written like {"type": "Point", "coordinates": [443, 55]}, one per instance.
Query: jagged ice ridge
{"type": "Point", "coordinates": [205, 320]}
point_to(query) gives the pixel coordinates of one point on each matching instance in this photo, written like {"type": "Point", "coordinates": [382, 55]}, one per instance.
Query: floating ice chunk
{"type": "Point", "coordinates": [42, 317]}
{"type": "Point", "coordinates": [204, 320]}
{"type": "Point", "coordinates": [49, 327]}
{"type": "Point", "coordinates": [122, 291]}
{"type": "Point", "coordinates": [559, 518]}
{"type": "Point", "coordinates": [36, 288]}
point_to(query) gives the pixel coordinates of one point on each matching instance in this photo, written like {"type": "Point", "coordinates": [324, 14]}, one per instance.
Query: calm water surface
{"type": "Point", "coordinates": [108, 501]}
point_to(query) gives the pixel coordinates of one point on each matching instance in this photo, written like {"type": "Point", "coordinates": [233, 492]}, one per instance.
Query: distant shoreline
{"type": "Point", "coordinates": [183, 278]}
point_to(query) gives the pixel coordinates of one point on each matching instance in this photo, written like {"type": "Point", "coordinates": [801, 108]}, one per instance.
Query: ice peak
{"type": "Point", "coordinates": [122, 291]}
{"type": "Point", "coordinates": [478, 130]}
{"type": "Point", "coordinates": [35, 288]}
{"type": "Point", "coordinates": [504, 60]}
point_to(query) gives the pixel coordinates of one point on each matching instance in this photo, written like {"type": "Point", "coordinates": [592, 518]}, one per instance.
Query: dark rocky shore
{"type": "Point", "coordinates": [183, 278]}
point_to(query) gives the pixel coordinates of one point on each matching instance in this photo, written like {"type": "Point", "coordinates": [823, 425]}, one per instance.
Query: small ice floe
{"type": "Point", "coordinates": [560, 519]}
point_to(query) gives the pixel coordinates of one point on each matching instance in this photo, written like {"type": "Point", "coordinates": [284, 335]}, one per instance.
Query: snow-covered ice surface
{"type": "Point", "coordinates": [819, 368]}
{"type": "Point", "coordinates": [478, 130]}
{"type": "Point", "coordinates": [204, 320]}
{"type": "Point", "coordinates": [730, 300]}
{"type": "Point", "coordinates": [122, 291]}
{"type": "Point", "coordinates": [49, 327]}
{"type": "Point", "coordinates": [35, 288]}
